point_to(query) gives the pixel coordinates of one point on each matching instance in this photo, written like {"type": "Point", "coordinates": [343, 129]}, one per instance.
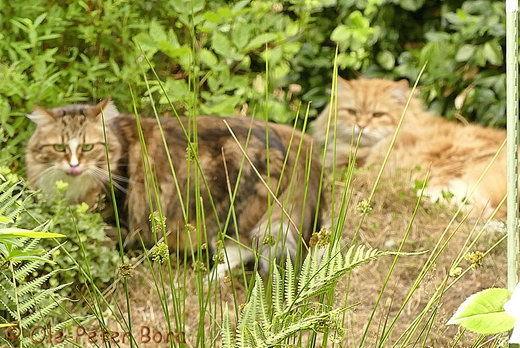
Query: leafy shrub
{"type": "Point", "coordinates": [212, 55]}
{"type": "Point", "coordinates": [86, 240]}
{"type": "Point", "coordinates": [25, 297]}
{"type": "Point", "coordinates": [462, 42]}
{"type": "Point", "coordinates": [270, 319]}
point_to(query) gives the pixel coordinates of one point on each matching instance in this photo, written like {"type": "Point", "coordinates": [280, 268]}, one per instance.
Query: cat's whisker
{"type": "Point", "coordinates": [103, 181]}
{"type": "Point", "coordinates": [114, 176]}
{"type": "Point", "coordinates": [103, 178]}
{"type": "Point", "coordinates": [45, 172]}
{"type": "Point", "coordinates": [98, 164]}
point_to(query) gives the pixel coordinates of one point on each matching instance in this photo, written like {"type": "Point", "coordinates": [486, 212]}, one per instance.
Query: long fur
{"type": "Point", "coordinates": [455, 154]}
{"type": "Point", "coordinates": [211, 181]}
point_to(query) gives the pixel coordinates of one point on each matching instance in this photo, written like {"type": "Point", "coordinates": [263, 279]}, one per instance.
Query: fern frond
{"type": "Point", "coordinates": [32, 266]}
{"type": "Point", "coordinates": [55, 328]}
{"type": "Point", "coordinates": [228, 340]}
{"type": "Point", "coordinates": [336, 261]}
{"type": "Point", "coordinates": [259, 302]}
{"type": "Point", "coordinates": [40, 314]}
{"type": "Point", "coordinates": [8, 204]}
{"type": "Point", "coordinates": [32, 301]}
{"type": "Point", "coordinates": [7, 190]}
{"type": "Point", "coordinates": [35, 284]}
{"type": "Point", "coordinates": [305, 324]}
{"type": "Point", "coordinates": [306, 273]}
{"type": "Point", "coordinates": [30, 244]}
{"type": "Point", "coordinates": [289, 281]}
{"type": "Point", "coordinates": [6, 307]}
{"type": "Point", "coordinates": [292, 309]}
{"type": "Point", "coordinates": [323, 265]}
{"type": "Point", "coordinates": [242, 336]}
{"type": "Point", "coordinates": [277, 293]}
{"type": "Point", "coordinates": [355, 257]}
{"type": "Point", "coordinates": [7, 292]}
{"type": "Point", "coordinates": [258, 336]}
{"type": "Point", "coordinates": [247, 318]}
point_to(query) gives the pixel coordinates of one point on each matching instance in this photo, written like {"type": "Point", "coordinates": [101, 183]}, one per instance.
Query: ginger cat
{"type": "Point", "coordinates": [68, 144]}
{"type": "Point", "coordinates": [455, 154]}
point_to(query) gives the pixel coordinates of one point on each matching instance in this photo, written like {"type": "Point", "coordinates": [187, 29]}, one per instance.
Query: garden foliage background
{"type": "Point", "coordinates": [211, 55]}
{"type": "Point", "coordinates": [261, 57]}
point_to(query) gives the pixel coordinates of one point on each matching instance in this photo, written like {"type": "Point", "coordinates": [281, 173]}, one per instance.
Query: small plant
{"type": "Point", "coordinates": [26, 298]}
{"type": "Point", "coordinates": [87, 241]}
{"type": "Point", "coordinates": [491, 311]}
{"type": "Point", "coordinates": [269, 320]}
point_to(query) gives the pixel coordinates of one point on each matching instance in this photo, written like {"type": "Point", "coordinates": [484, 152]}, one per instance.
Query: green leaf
{"type": "Point", "coordinates": [5, 220]}
{"type": "Point", "coordinates": [5, 108]}
{"type": "Point", "coordinates": [31, 258]}
{"type": "Point", "coordinates": [355, 33]}
{"type": "Point", "coordinates": [241, 34]}
{"type": "Point", "coordinates": [493, 53]}
{"type": "Point", "coordinates": [220, 44]}
{"type": "Point", "coordinates": [259, 41]}
{"type": "Point", "coordinates": [207, 57]}
{"type": "Point", "coordinates": [341, 33]}
{"type": "Point", "coordinates": [411, 5]}
{"type": "Point", "coordinates": [146, 42]}
{"type": "Point", "coordinates": [464, 53]}
{"type": "Point", "coordinates": [19, 232]}
{"type": "Point", "coordinates": [484, 313]}
{"type": "Point", "coordinates": [6, 325]}
{"type": "Point", "coordinates": [356, 20]}
{"type": "Point", "coordinates": [224, 106]}
{"type": "Point", "coordinates": [9, 241]}
{"type": "Point", "coordinates": [188, 6]}
{"type": "Point", "coordinates": [157, 32]}
{"type": "Point", "coordinates": [228, 341]}
{"type": "Point", "coordinates": [386, 59]}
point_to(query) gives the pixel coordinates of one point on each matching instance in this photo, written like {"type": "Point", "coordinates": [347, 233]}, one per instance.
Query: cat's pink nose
{"type": "Point", "coordinates": [75, 170]}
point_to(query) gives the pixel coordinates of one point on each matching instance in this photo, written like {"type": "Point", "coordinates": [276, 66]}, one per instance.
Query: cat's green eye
{"type": "Point", "coordinates": [59, 147]}
{"type": "Point", "coordinates": [379, 114]}
{"type": "Point", "coordinates": [352, 111]}
{"type": "Point", "coordinates": [87, 147]}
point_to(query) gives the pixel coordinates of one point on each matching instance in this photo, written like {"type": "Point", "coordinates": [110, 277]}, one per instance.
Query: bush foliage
{"type": "Point", "coordinates": [213, 55]}
{"type": "Point", "coordinates": [87, 251]}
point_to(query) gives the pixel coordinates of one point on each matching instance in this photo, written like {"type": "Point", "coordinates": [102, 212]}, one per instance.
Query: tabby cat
{"type": "Point", "coordinates": [455, 154]}
{"type": "Point", "coordinates": [68, 144]}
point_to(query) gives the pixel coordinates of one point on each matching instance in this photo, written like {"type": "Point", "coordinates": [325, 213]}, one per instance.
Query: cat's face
{"type": "Point", "coordinates": [373, 106]}
{"type": "Point", "coordinates": [68, 144]}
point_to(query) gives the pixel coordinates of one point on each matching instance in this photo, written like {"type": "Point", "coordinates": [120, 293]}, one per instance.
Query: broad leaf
{"type": "Point", "coordinates": [207, 57]}
{"type": "Point", "coordinates": [259, 41]}
{"type": "Point", "coordinates": [5, 220]}
{"type": "Point", "coordinates": [464, 53]}
{"type": "Point", "coordinates": [340, 33]}
{"type": "Point", "coordinates": [19, 232]}
{"type": "Point", "coordinates": [484, 313]}
{"type": "Point", "coordinates": [512, 308]}
{"type": "Point", "coordinates": [31, 258]}
{"type": "Point", "coordinates": [493, 53]}
{"type": "Point", "coordinates": [220, 44]}
{"type": "Point", "coordinates": [6, 325]}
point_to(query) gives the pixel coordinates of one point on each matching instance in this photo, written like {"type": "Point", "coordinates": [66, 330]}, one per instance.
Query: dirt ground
{"type": "Point", "coordinates": [383, 228]}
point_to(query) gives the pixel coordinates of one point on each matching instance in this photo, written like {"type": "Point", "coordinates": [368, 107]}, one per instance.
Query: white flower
{"type": "Point", "coordinates": [512, 308]}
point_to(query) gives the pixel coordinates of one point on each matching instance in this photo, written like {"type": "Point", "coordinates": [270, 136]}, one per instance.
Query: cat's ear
{"type": "Point", "coordinates": [41, 115]}
{"type": "Point", "coordinates": [401, 90]}
{"type": "Point", "coordinates": [106, 108]}
{"type": "Point", "coordinates": [343, 86]}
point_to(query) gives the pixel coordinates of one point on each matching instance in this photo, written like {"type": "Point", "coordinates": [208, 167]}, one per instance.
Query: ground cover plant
{"type": "Point", "coordinates": [263, 59]}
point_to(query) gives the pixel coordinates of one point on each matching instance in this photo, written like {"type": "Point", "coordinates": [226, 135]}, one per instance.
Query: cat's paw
{"type": "Point", "coordinates": [216, 274]}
